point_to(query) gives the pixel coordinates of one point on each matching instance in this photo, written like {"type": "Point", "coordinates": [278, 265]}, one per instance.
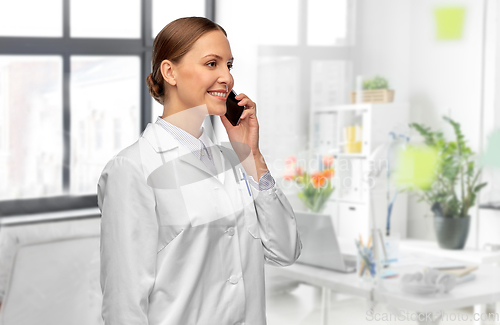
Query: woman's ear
{"type": "Point", "coordinates": [167, 71]}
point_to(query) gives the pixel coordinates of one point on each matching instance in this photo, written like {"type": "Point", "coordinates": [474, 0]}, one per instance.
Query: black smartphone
{"type": "Point", "coordinates": [233, 111]}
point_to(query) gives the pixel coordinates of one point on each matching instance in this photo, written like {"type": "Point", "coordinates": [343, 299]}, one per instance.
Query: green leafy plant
{"type": "Point", "coordinates": [455, 172]}
{"type": "Point", "coordinates": [376, 83]}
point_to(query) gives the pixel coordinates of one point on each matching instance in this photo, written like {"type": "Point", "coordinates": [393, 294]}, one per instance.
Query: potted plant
{"type": "Point", "coordinates": [314, 188]}
{"type": "Point", "coordinates": [454, 188]}
{"type": "Point", "coordinates": [375, 90]}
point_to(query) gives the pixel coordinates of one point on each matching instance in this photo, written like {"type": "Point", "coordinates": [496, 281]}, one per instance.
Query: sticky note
{"type": "Point", "coordinates": [416, 167]}
{"type": "Point", "coordinates": [449, 22]}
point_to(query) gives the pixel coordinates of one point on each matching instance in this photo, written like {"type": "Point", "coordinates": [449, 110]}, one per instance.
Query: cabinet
{"type": "Point", "coordinates": [355, 184]}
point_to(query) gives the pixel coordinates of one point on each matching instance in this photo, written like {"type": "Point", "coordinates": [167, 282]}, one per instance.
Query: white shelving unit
{"type": "Point", "coordinates": [349, 204]}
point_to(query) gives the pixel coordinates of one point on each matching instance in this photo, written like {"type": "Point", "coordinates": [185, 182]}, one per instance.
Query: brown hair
{"type": "Point", "coordinates": [172, 43]}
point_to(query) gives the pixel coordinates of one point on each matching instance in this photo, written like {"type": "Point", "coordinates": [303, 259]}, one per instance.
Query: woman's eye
{"type": "Point", "coordinates": [229, 66]}
{"type": "Point", "coordinates": [211, 64]}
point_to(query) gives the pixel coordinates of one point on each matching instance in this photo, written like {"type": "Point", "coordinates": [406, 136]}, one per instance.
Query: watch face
{"type": "Point", "coordinates": [233, 110]}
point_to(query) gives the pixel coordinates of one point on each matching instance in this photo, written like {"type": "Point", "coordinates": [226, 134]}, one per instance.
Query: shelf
{"type": "Point", "coordinates": [490, 205]}
{"type": "Point", "coordinates": [357, 107]}
{"type": "Point", "coordinates": [350, 155]}
{"type": "Point", "coordinates": [336, 200]}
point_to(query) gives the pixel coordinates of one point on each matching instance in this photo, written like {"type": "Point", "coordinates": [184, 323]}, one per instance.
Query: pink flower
{"type": "Point", "coordinates": [327, 160]}
{"type": "Point", "coordinates": [290, 160]}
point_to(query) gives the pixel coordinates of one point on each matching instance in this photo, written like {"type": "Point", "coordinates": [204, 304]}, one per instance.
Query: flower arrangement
{"type": "Point", "coordinates": [316, 187]}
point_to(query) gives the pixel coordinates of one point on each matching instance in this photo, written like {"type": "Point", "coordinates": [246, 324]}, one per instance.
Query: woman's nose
{"type": "Point", "coordinates": [226, 77]}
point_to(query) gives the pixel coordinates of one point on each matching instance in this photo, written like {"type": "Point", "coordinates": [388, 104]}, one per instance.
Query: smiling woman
{"type": "Point", "coordinates": [172, 43]}
{"type": "Point", "coordinates": [200, 77]}
{"type": "Point", "coordinates": [184, 236]}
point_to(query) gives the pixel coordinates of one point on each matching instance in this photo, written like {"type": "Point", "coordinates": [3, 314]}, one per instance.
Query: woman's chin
{"type": "Point", "coordinates": [217, 111]}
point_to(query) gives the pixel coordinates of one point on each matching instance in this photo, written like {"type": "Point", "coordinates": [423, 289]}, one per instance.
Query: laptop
{"type": "Point", "coordinates": [320, 245]}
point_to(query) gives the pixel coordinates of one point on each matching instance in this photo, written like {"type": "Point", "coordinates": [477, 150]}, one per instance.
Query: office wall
{"type": "Point", "coordinates": [489, 220]}
{"type": "Point", "coordinates": [437, 77]}
{"type": "Point", "coordinates": [383, 43]}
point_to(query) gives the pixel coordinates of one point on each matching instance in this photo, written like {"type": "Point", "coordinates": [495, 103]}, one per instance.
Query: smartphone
{"type": "Point", "coordinates": [233, 111]}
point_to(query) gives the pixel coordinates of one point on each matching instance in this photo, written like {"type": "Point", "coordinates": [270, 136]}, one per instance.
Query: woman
{"type": "Point", "coordinates": [184, 238]}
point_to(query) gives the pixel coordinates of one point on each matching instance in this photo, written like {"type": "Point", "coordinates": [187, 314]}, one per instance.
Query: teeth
{"type": "Point", "coordinates": [217, 94]}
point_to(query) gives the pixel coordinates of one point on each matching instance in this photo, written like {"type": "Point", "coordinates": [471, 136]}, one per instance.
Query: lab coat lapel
{"type": "Point", "coordinates": [220, 163]}
{"type": "Point", "coordinates": [161, 141]}
{"type": "Point", "coordinates": [159, 138]}
{"type": "Point", "coordinates": [225, 159]}
{"type": "Point", "coordinates": [234, 187]}
{"type": "Point", "coordinates": [186, 156]}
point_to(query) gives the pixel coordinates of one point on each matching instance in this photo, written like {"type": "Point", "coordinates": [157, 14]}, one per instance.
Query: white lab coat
{"type": "Point", "coordinates": [180, 246]}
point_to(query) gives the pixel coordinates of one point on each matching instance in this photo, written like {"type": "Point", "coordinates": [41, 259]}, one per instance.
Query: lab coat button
{"type": "Point", "coordinates": [233, 279]}
{"type": "Point", "coordinates": [230, 232]}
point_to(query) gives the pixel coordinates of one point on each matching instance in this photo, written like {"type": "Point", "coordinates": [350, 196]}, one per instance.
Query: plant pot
{"type": "Point", "coordinates": [451, 233]}
{"type": "Point", "coordinates": [374, 96]}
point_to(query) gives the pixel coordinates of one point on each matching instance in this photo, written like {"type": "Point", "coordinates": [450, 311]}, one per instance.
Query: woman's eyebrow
{"type": "Point", "coordinates": [218, 57]}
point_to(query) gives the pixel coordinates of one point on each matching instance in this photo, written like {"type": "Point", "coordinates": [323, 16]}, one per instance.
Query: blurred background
{"type": "Point", "coordinates": [73, 94]}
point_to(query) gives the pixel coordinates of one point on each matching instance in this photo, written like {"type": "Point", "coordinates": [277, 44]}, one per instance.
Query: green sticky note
{"type": "Point", "coordinates": [416, 167]}
{"type": "Point", "coordinates": [491, 157]}
{"type": "Point", "coordinates": [449, 22]}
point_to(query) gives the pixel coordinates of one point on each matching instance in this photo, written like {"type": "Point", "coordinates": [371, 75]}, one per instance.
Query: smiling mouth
{"type": "Point", "coordinates": [218, 94]}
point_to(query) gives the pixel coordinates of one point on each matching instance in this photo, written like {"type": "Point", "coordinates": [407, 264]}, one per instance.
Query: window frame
{"type": "Point", "coordinates": [307, 54]}
{"type": "Point", "coordinates": [66, 47]}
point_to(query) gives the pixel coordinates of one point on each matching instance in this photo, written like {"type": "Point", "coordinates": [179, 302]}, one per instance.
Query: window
{"type": "Point", "coordinates": [297, 58]}
{"type": "Point", "coordinates": [23, 18]}
{"type": "Point", "coordinates": [107, 21]}
{"type": "Point", "coordinates": [328, 23]}
{"type": "Point", "coordinates": [165, 11]}
{"type": "Point", "coordinates": [31, 127]}
{"type": "Point", "coordinates": [104, 90]}
{"type": "Point", "coordinates": [73, 93]}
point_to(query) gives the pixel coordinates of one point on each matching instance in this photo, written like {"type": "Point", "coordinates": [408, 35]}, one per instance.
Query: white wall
{"type": "Point", "coordinates": [437, 77]}
{"type": "Point", "coordinates": [489, 220]}
{"type": "Point", "coordinates": [383, 43]}
{"type": "Point", "coordinates": [445, 79]}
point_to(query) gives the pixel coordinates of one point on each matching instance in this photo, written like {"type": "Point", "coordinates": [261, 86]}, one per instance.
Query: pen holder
{"type": "Point", "coordinates": [365, 264]}
{"type": "Point", "coordinates": [391, 249]}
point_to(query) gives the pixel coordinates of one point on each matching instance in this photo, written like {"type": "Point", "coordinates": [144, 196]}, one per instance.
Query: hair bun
{"type": "Point", "coordinates": [155, 88]}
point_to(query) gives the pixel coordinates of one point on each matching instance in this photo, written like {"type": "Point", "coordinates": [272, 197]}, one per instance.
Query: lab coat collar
{"type": "Point", "coordinates": [163, 141]}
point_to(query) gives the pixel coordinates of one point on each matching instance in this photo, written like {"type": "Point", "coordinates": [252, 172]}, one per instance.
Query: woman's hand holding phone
{"type": "Point", "coordinates": [246, 132]}
{"type": "Point", "coordinates": [247, 129]}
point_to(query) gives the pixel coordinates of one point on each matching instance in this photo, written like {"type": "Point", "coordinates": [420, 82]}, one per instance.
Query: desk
{"type": "Point", "coordinates": [484, 289]}
{"type": "Point", "coordinates": [467, 255]}
{"type": "Point", "coordinates": [431, 248]}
